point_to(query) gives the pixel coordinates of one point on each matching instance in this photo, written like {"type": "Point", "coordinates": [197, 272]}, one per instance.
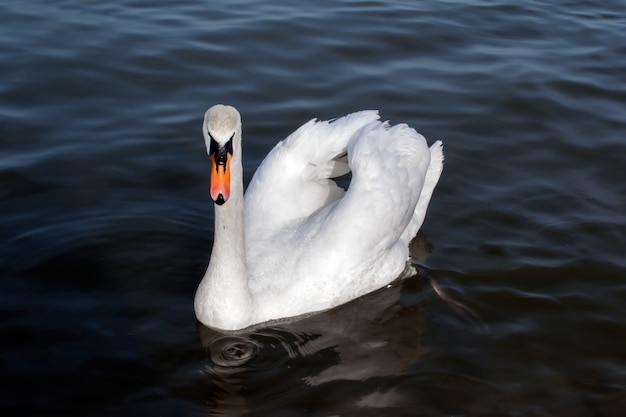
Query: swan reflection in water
{"type": "Point", "coordinates": [335, 359]}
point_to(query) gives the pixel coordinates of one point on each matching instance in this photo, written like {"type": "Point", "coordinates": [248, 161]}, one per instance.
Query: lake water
{"type": "Point", "coordinates": [107, 224]}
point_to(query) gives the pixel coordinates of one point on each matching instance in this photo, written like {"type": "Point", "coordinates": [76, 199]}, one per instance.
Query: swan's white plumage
{"type": "Point", "coordinates": [310, 245]}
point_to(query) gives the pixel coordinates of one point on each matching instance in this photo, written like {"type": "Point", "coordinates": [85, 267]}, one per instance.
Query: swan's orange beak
{"type": "Point", "coordinates": [220, 177]}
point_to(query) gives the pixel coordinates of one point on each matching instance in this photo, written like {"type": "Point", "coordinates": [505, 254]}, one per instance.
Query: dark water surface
{"type": "Point", "coordinates": [107, 225]}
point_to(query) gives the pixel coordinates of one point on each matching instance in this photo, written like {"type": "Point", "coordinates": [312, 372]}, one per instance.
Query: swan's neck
{"type": "Point", "coordinates": [223, 299]}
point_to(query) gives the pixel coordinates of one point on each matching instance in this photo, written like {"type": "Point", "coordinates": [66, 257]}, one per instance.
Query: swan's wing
{"type": "Point", "coordinates": [294, 180]}
{"type": "Point", "coordinates": [371, 224]}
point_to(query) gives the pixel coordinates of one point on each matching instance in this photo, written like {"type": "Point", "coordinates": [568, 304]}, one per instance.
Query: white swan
{"type": "Point", "coordinates": [297, 243]}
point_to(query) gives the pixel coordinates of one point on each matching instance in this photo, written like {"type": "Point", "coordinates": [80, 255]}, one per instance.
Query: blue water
{"type": "Point", "coordinates": [107, 225]}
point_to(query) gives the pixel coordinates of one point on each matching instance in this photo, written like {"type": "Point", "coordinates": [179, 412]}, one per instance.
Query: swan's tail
{"type": "Point", "coordinates": [430, 181]}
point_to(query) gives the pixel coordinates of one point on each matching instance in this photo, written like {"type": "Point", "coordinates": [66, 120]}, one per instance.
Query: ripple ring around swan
{"type": "Point", "coordinates": [232, 351]}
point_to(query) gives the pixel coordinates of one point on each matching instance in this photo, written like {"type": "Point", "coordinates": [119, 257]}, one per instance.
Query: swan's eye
{"type": "Point", "coordinates": [229, 145]}
{"type": "Point", "coordinates": [213, 145]}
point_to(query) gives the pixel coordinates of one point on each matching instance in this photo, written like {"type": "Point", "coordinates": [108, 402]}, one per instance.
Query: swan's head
{"type": "Point", "coordinates": [221, 127]}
